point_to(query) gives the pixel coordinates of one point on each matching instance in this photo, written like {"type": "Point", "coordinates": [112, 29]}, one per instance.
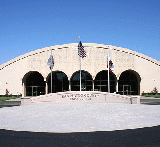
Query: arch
{"type": "Point", "coordinates": [101, 81]}
{"type": "Point", "coordinates": [129, 83]}
{"type": "Point", "coordinates": [34, 84]}
{"type": "Point", "coordinates": [60, 82]}
{"type": "Point", "coordinates": [86, 81]}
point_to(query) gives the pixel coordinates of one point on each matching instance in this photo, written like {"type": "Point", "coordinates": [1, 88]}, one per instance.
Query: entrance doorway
{"type": "Point", "coordinates": [86, 81]}
{"type": "Point", "coordinates": [126, 89]}
{"type": "Point", "coordinates": [129, 83]}
{"type": "Point", "coordinates": [34, 83]}
{"type": "Point", "coordinates": [101, 81]}
{"type": "Point", "coordinates": [60, 82]}
{"type": "Point", "coordinates": [34, 90]}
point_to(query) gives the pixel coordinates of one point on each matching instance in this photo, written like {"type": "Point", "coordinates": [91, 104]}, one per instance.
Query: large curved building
{"type": "Point", "coordinates": [29, 74]}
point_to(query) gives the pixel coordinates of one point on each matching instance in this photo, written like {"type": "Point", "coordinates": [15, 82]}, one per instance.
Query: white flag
{"type": "Point", "coordinates": [50, 62]}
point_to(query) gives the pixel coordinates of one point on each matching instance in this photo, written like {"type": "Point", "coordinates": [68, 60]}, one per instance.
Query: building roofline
{"type": "Point", "coordinates": [120, 49]}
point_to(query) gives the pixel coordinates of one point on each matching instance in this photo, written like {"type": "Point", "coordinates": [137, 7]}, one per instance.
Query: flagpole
{"type": "Point", "coordinates": [108, 73]}
{"type": "Point", "coordinates": [80, 67]}
{"type": "Point", "coordinates": [51, 70]}
{"type": "Point", "coordinates": [80, 75]}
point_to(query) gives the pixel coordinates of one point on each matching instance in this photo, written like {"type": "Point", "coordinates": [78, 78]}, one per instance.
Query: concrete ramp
{"type": "Point", "coordinates": [81, 97]}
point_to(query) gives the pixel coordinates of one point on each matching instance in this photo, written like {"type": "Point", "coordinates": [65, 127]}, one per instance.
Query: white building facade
{"type": "Point", "coordinates": [29, 74]}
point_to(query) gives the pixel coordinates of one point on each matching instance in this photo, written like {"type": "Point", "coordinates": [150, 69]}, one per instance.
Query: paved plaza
{"type": "Point", "coordinates": [78, 117]}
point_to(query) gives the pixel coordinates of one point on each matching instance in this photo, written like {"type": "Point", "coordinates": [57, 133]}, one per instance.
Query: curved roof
{"type": "Point", "coordinates": [72, 45]}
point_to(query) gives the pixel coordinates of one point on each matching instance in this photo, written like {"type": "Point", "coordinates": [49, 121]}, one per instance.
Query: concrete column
{"type": "Point", "coordinates": [93, 84]}
{"type": "Point", "coordinates": [69, 84]}
{"type": "Point", "coordinates": [117, 86]}
{"type": "Point", "coordinates": [23, 89]}
{"type": "Point", "coordinates": [46, 88]}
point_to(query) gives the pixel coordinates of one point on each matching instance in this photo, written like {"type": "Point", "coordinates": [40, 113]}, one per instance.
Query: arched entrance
{"type": "Point", "coordinates": [129, 83]}
{"type": "Point", "coordinates": [60, 82]}
{"type": "Point", "coordinates": [86, 81]}
{"type": "Point", "coordinates": [34, 84]}
{"type": "Point", "coordinates": [101, 81]}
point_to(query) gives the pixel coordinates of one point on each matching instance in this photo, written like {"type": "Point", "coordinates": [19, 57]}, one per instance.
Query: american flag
{"type": "Point", "coordinates": [81, 51]}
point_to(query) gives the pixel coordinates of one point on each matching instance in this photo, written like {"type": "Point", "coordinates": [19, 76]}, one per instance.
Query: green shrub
{"type": "Point", "coordinates": [151, 95]}
{"type": "Point", "coordinates": [6, 98]}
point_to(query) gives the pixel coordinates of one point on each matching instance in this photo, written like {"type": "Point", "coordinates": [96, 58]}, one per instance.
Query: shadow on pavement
{"type": "Point", "coordinates": [149, 136]}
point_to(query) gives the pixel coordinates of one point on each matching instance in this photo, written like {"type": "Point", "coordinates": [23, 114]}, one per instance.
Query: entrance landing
{"type": "Point", "coordinates": [83, 97]}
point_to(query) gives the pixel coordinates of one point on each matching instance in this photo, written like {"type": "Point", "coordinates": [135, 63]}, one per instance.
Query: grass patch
{"type": "Point", "coordinates": [155, 96]}
{"type": "Point", "coordinates": [7, 98]}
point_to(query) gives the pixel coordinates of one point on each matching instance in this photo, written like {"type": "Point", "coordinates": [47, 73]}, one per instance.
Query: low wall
{"type": "Point", "coordinates": [10, 103]}
{"type": "Point", "coordinates": [151, 101]}
{"type": "Point", "coordinates": [135, 99]}
{"type": "Point", "coordinates": [81, 97]}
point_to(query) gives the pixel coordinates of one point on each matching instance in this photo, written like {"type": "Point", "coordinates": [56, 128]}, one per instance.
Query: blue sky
{"type": "Point", "coordinates": [27, 25]}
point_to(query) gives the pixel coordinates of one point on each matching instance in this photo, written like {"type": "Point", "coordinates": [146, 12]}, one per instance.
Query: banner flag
{"type": "Point", "coordinates": [81, 51]}
{"type": "Point", "coordinates": [111, 66]}
{"type": "Point", "coordinates": [50, 62]}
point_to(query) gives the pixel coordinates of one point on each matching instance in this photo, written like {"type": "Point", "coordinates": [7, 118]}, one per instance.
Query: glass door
{"type": "Point", "coordinates": [126, 89]}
